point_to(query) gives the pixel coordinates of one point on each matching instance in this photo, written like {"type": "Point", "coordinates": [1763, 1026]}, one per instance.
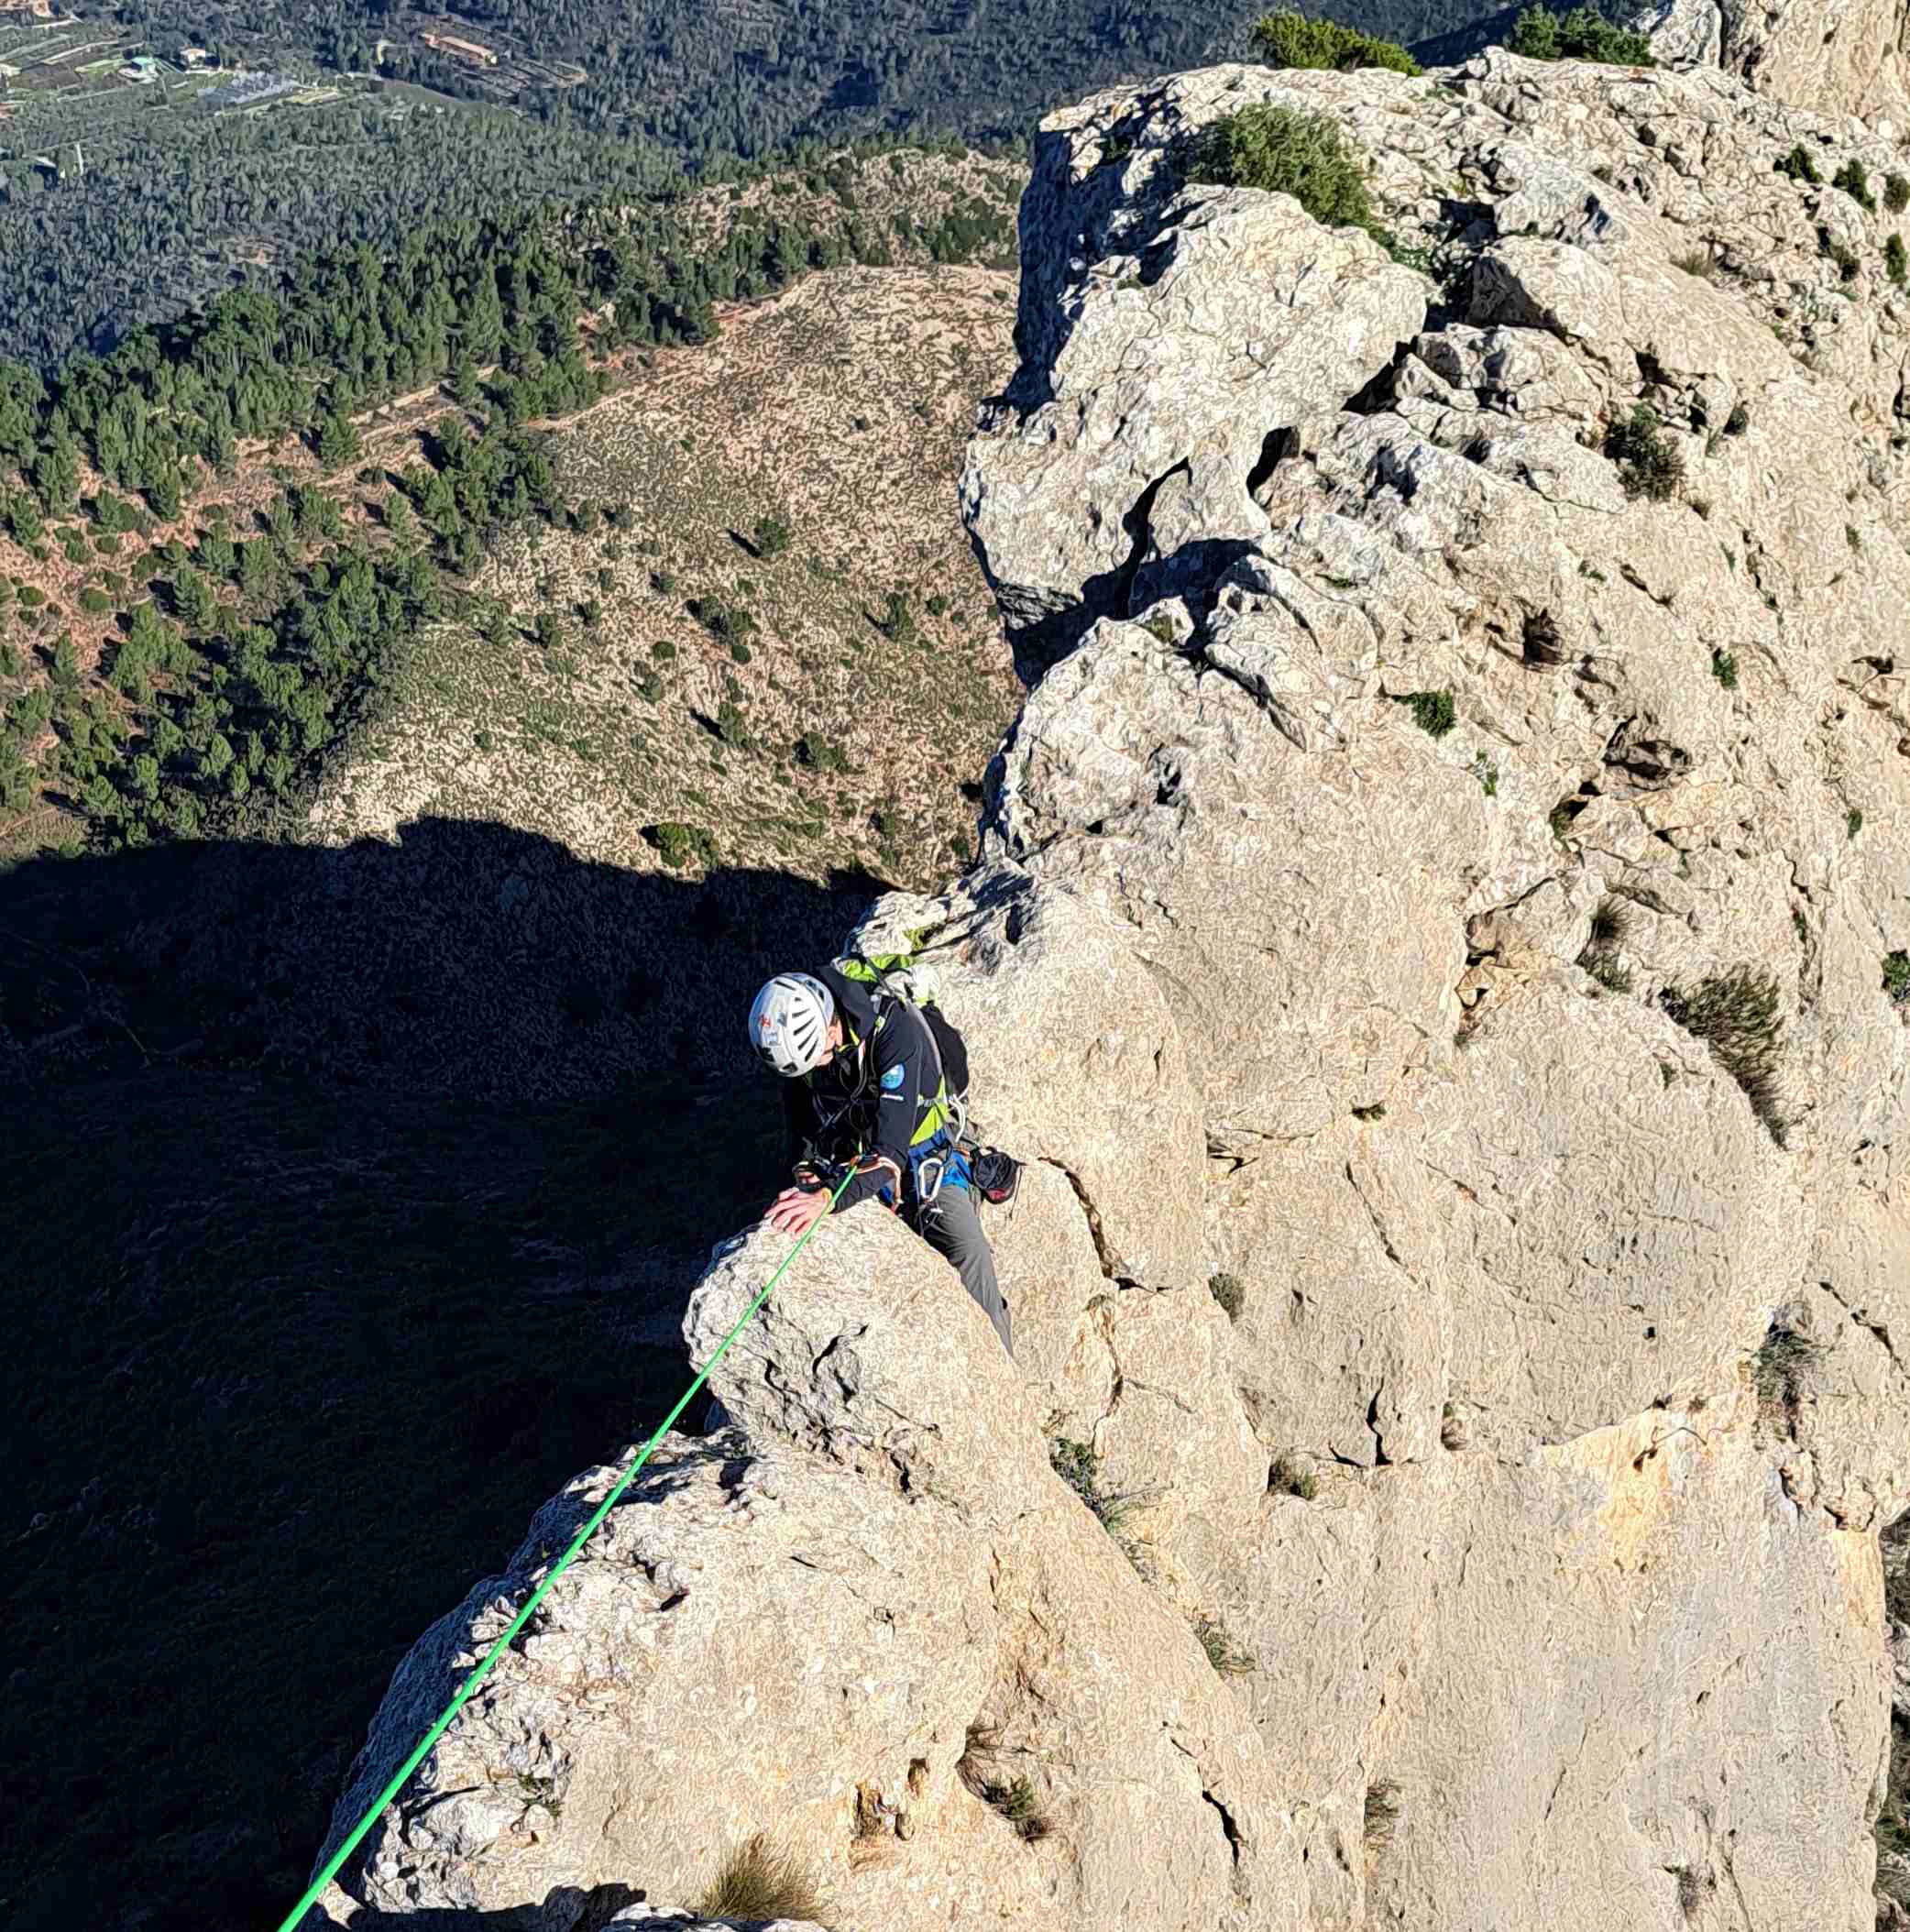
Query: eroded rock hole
{"type": "Point", "coordinates": [1539, 645]}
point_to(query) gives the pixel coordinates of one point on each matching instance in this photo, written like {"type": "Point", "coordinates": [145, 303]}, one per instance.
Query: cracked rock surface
{"type": "Point", "coordinates": [1511, 1549]}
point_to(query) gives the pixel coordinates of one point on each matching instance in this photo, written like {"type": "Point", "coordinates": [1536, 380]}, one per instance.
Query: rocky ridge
{"type": "Point", "coordinates": [1511, 1554]}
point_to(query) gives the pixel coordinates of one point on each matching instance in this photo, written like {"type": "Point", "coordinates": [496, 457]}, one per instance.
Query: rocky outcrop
{"type": "Point", "coordinates": [1683, 33]}
{"type": "Point", "coordinates": [1836, 57]}
{"type": "Point", "coordinates": [1444, 891]}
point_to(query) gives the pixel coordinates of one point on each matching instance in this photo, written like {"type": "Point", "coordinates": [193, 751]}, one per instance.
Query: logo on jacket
{"type": "Point", "coordinates": [891, 1079]}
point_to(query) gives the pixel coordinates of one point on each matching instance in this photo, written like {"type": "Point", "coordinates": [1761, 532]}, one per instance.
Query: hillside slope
{"type": "Point", "coordinates": [266, 514]}
{"type": "Point", "coordinates": [835, 696]}
{"type": "Point", "coordinates": [1439, 944]}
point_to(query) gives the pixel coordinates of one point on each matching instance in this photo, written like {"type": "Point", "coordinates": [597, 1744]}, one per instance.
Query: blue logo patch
{"type": "Point", "coordinates": [891, 1079]}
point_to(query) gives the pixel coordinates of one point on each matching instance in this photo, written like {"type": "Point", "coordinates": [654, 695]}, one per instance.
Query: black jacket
{"type": "Point", "coordinates": [874, 1097]}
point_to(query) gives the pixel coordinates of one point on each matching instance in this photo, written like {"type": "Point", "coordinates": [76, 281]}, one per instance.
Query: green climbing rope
{"type": "Point", "coordinates": [537, 1595]}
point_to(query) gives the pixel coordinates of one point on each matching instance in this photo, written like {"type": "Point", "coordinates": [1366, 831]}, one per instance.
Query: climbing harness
{"type": "Point", "coordinates": [438, 1730]}
{"type": "Point", "coordinates": [968, 1162]}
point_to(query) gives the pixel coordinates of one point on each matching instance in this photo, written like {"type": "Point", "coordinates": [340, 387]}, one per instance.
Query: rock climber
{"type": "Point", "coordinates": [867, 1084]}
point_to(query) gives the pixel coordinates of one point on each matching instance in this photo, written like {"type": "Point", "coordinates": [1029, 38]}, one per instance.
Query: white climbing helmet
{"type": "Point", "coordinates": [789, 1023]}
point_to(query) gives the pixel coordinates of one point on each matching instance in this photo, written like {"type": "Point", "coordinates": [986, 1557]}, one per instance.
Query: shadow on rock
{"type": "Point", "coordinates": [591, 1912]}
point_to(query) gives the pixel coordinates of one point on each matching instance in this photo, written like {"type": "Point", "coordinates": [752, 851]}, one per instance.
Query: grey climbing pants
{"type": "Point", "coordinates": [952, 1227]}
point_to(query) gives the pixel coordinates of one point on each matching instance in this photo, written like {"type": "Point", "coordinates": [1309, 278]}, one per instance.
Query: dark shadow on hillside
{"type": "Point", "coordinates": [1454, 49]}
{"type": "Point", "coordinates": [352, 1198]}
{"type": "Point", "coordinates": [466, 957]}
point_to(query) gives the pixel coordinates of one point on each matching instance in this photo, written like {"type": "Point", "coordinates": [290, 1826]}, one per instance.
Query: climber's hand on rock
{"type": "Point", "coordinates": [796, 1210]}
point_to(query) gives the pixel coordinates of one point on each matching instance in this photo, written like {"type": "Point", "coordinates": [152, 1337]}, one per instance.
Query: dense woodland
{"type": "Point", "coordinates": [173, 211]}
{"type": "Point", "coordinates": [710, 80]}
{"type": "Point", "coordinates": [241, 651]}
{"type": "Point", "coordinates": [175, 205]}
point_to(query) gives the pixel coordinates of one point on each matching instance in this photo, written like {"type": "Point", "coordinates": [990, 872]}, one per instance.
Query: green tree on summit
{"type": "Point", "coordinates": [1289, 39]}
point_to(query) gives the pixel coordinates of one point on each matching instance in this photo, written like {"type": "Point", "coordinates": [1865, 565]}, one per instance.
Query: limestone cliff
{"type": "Point", "coordinates": [1455, 895]}
{"type": "Point", "coordinates": [1833, 57]}
{"type": "Point", "coordinates": [1848, 57]}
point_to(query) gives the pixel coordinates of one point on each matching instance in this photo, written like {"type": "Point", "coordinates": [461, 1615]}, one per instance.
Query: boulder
{"type": "Point", "coordinates": [1683, 33]}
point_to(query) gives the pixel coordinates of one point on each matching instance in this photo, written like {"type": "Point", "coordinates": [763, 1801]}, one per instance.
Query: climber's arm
{"type": "Point", "coordinates": [901, 1065]}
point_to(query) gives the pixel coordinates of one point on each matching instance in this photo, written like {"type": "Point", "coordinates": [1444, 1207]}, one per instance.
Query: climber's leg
{"type": "Point", "coordinates": [952, 1227]}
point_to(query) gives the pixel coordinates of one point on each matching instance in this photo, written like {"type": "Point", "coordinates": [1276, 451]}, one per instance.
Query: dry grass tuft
{"type": "Point", "coordinates": [1735, 1014]}
{"type": "Point", "coordinates": [762, 1880]}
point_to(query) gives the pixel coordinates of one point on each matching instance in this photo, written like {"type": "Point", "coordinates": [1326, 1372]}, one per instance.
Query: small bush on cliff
{"type": "Point", "coordinates": [759, 1880]}
{"type": "Point", "coordinates": [1432, 710]}
{"type": "Point", "coordinates": [1799, 165]}
{"type": "Point", "coordinates": [1852, 179]}
{"type": "Point", "coordinates": [1287, 1476]}
{"type": "Point", "coordinates": [1016, 1802]}
{"type": "Point", "coordinates": [1610, 922]}
{"type": "Point", "coordinates": [1896, 976]}
{"type": "Point", "coordinates": [1777, 1372]}
{"type": "Point", "coordinates": [1287, 152]}
{"type": "Point", "coordinates": [1896, 263]}
{"type": "Point", "coordinates": [1693, 1888]}
{"type": "Point", "coordinates": [1584, 33]}
{"type": "Point", "coordinates": [1079, 1466]}
{"type": "Point", "coordinates": [1600, 955]}
{"type": "Point", "coordinates": [1382, 1812]}
{"type": "Point", "coordinates": [1227, 1289]}
{"type": "Point", "coordinates": [1649, 464]}
{"type": "Point", "coordinates": [1291, 39]}
{"type": "Point", "coordinates": [1217, 1640]}
{"type": "Point", "coordinates": [1735, 1014]}
{"type": "Point", "coordinates": [680, 845]}
{"type": "Point", "coordinates": [1897, 193]}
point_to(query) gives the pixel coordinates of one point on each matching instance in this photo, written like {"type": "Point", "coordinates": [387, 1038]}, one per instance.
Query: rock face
{"type": "Point", "coordinates": [1448, 894]}
{"type": "Point", "coordinates": [1837, 57]}
{"type": "Point", "coordinates": [1684, 33]}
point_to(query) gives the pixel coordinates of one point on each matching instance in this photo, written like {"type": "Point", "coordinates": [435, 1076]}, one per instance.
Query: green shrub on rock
{"type": "Point", "coordinates": [761, 1879]}
{"type": "Point", "coordinates": [1291, 39]}
{"type": "Point", "coordinates": [1852, 179]}
{"type": "Point", "coordinates": [681, 845]}
{"type": "Point", "coordinates": [1584, 33]}
{"type": "Point", "coordinates": [1285, 152]}
{"type": "Point", "coordinates": [1736, 1014]}
{"type": "Point", "coordinates": [1432, 710]}
{"type": "Point", "coordinates": [1649, 464]}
